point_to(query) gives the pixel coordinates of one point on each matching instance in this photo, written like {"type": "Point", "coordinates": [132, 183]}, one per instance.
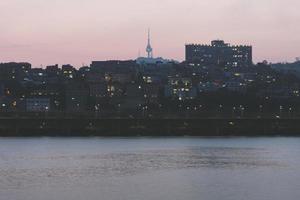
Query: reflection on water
{"type": "Point", "coordinates": [69, 163]}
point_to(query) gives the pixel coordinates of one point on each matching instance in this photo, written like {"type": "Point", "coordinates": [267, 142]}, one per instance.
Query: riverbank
{"type": "Point", "coordinates": [14, 127]}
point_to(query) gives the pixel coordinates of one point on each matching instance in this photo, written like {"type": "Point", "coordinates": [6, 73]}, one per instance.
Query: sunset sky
{"type": "Point", "coordinates": [79, 31]}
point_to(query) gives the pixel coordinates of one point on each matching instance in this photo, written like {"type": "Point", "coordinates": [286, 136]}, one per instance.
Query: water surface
{"type": "Point", "coordinates": [150, 168]}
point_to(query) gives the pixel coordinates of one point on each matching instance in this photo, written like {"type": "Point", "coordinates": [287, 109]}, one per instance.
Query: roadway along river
{"type": "Point", "coordinates": [150, 168]}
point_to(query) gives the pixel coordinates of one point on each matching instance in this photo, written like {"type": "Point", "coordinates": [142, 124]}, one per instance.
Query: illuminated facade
{"type": "Point", "coordinates": [218, 53]}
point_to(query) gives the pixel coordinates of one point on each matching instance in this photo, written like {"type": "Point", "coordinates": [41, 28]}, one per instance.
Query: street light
{"type": "Point", "coordinates": [260, 111]}
{"type": "Point", "coordinates": [220, 109]}
{"type": "Point", "coordinates": [260, 108]}
{"type": "Point", "coordinates": [242, 111]}
{"type": "Point", "coordinates": [119, 110]}
{"type": "Point", "coordinates": [280, 110]}
{"type": "Point", "coordinates": [97, 109]}
{"type": "Point", "coordinates": [233, 111]}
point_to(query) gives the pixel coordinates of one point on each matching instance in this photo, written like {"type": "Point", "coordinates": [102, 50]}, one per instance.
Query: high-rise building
{"type": "Point", "coordinates": [219, 53]}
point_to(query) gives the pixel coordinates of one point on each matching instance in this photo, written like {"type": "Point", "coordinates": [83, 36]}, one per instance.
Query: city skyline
{"type": "Point", "coordinates": [78, 32]}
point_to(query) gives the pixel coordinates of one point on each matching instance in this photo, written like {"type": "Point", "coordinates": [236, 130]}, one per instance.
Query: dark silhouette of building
{"type": "Point", "coordinates": [113, 66]}
{"type": "Point", "coordinates": [219, 53]}
{"type": "Point", "coordinates": [14, 71]}
{"type": "Point", "coordinates": [76, 96]}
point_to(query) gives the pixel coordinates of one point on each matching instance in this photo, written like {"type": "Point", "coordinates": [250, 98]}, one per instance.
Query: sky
{"type": "Point", "coordinates": [45, 32]}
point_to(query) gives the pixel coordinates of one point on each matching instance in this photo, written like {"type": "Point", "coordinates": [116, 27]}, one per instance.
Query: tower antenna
{"type": "Point", "coordinates": [149, 49]}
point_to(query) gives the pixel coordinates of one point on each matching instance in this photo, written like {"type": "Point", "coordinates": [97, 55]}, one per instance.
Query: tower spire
{"type": "Point", "coordinates": [149, 49]}
{"type": "Point", "coordinates": [148, 36]}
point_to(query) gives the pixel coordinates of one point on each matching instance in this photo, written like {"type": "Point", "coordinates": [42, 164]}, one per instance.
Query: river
{"type": "Point", "coordinates": [185, 168]}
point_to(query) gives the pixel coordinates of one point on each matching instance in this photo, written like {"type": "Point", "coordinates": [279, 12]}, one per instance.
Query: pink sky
{"type": "Point", "coordinates": [79, 31]}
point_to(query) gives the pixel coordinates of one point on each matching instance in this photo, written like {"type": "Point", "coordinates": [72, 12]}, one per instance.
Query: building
{"type": "Point", "coordinates": [288, 68]}
{"type": "Point", "coordinates": [180, 88]}
{"type": "Point", "coordinates": [37, 104]}
{"type": "Point", "coordinates": [219, 53]}
{"type": "Point", "coordinates": [68, 71]}
{"type": "Point", "coordinates": [112, 66]}
{"type": "Point", "coordinates": [53, 92]}
{"type": "Point", "coordinates": [152, 93]}
{"type": "Point", "coordinates": [97, 90]}
{"type": "Point", "coordinates": [76, 97]}
{"type": "Point", "coordinates": [14, 71]}
{"type": "Point", "coordinates": [38, 75]}
{"type": "Point", "coordinates": [133, 97]}
{"type": "Point", "coordinates": [53, 70]}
